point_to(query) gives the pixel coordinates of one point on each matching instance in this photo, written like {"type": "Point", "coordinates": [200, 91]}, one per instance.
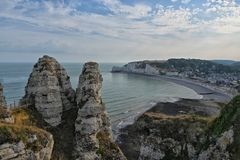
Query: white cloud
{"type": "Point", "coordinates": [182, 1]}
{"type": "Point", "coordinates": [135, 12]}
{"type": "Point", "coordinates": [138, 27]}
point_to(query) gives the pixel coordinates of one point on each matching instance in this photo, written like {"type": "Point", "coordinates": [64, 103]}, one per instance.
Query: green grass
{"type": "Point", "coordinates": [12, 133]}
{"type": "Point", "coordinates": [230, 115]}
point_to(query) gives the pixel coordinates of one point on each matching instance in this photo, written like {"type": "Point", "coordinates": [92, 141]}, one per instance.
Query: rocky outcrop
{"type": "Point", "coordinates": [93, 136]}
{"type": "Point", "coordinates": [182, 130]}
{"type": "Point", "coordinates": [218, 149]}
{"type": "Point", "coordinates": [224, 135]}
{"type": "Point", "coordinates": [2, 98]}
{"type": "Point", "coordinates": [49, 90]}
{"type": "Point", "coordinates": [169, 131]}
{"type": "Point", "coordinates": [21, 143]}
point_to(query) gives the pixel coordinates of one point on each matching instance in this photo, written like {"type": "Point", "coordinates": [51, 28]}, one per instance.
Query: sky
{"type": "Point", "coordinates": [119, 30]}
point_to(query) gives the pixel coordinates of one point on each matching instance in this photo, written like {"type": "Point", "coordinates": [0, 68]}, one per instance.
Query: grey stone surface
{"type": "Point", "coordinates": [49, 90]}
{"type": "Point", "coordinates": [93, 132]}
{"type": "Point", "coordinates": [20, 151]}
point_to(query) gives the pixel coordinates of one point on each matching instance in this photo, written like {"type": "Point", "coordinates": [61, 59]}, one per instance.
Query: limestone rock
{"type": "Point", "coordinates": [164, 132]}
{"type": "Point", "coordinates": [93, 136]}
{"type": "Point", "coordinates": [49, 90]}
{"type": "Point", "coordinates": [2, 98]}
{"type": "Point", "coordinates": [12, 149]}
{"type": "Point", "coordinates": [137, 67]}
{"type": "Point", "coordinates": [218, 151]}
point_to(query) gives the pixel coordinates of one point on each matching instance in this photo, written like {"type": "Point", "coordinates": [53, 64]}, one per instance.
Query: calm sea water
{"type": "Point", "coordinates": [124, 95]}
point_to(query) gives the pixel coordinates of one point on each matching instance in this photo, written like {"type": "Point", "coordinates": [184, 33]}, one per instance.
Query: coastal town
{"type": "Point", "coordinates": [206, 73]}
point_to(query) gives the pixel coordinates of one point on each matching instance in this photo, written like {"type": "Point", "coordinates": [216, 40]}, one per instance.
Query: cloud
{"type": "Point", "coordinates": [182, 1]}
{"type": "Point", "coordinates": [61, 26]}
{"type": "Point", "coordinates": [136, 11]}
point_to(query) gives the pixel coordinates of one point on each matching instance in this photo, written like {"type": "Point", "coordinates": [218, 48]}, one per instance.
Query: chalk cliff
{"type": "Point", "coordinates": [49, 90]}
{"type": "Point", "coordinates": [93, 138]}
{"type": "Point", "coordinates": [137, 67]}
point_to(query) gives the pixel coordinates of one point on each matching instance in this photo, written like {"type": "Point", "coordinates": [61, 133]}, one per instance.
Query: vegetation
{"type": "Point", "coordinates": [230, 116]}
{"type": "Point", "coordinates": [106, 147]}
{"type": "Point", "coordinates": [12, 133]}
{"type": "Point", "coordinates": [23, 129]}
{"type": "Point", "coordinates": [229, 119]}
{"type": "Point", "coordinates": [22, 116]}
{"type": "Point", "coordinates": [194, 65]}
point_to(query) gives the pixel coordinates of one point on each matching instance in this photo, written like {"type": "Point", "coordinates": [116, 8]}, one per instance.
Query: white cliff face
{"type": "Point", "coordinates": [49, 90]}
{"type": "Point", "coordinates": [137, 67]}
{"type": "Point", "coordinates": [93, 136]}
{"type": "Point", "coordinates": [2, 98]}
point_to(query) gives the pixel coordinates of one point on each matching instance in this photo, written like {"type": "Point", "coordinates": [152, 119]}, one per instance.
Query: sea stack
{"type": "Point", "coordinates": [2, 98]}
{"type": "Point", "coordinates": [93, 136]}
{"type": "Point", "coordinates": [49, 90]}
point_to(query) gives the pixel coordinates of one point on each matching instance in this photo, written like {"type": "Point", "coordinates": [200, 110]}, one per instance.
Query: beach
{"type": "Point", "coordinates": [209, 96]}
{"type": "Point", "coordinates": [207, 92]}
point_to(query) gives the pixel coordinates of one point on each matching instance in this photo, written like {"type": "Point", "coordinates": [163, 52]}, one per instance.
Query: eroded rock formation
{"type": "Point", "coordinates": [93, 138]}
{"type": "Point", "coordinates": [49, 90]}
{"type": "Point", "coordinates": [2, 98]}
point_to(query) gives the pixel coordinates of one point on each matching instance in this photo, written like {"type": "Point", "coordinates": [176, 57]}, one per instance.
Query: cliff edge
{"type": "Point", "coordinates": [187, 129]}
{"type": "Point", "coordinates": [20, 139]}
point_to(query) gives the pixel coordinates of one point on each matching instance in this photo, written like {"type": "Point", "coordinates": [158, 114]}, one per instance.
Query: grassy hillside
{"type": "Point", "coordinates": [22, 129]}
{"type": "Point", "coordinates": [229, 119]}
{"type": "Point", "coordinates": [195, 65]}
{"type": "Point", "coordinates": [230, 116]}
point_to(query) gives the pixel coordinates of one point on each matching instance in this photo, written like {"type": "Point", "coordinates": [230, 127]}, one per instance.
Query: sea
{"type": "Point", "coordinates": [126, 96]}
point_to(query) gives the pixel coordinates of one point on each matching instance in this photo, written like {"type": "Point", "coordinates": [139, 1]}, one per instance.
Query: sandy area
{"type": "Point", "coordinates": [206, 92]}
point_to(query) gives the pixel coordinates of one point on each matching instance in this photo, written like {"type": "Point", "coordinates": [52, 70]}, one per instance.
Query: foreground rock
{"type": "Point", "coordinates": [169, 131]}
{"type": "Point", "coordinates": [49, 90]}
{"type": "Point", "coordinates": [224, 135]}
{"type": "Point", "coordinates": [20, 139]}
{"type": "Point", "coordinates": [22, 143]}
{"type": "Point", "coordinates": [184, 130]}
{"type": "Point", "coordinates": [2, 98]}
{"type": "Point", "coordinates": [93, 138]}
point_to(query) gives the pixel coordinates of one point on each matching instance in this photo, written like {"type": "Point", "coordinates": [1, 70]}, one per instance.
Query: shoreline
{"type": "Point", "coordinates": [122, 123]}
{"type": "Point", "coordinates": [206, 92]}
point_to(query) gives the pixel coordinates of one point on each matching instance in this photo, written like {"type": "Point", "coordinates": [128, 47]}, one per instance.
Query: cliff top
{"type": "Point", "coordinates": [18, 130]}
